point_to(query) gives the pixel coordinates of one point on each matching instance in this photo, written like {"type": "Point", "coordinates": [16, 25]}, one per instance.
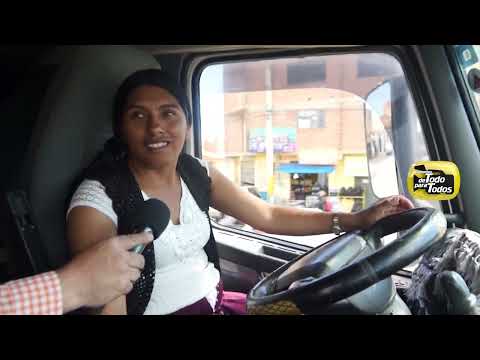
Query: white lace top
{"type": "Point", "coordinates": [183, 274]}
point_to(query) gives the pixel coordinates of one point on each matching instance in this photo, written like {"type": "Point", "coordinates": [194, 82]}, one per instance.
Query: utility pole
{"type": "Point", "coordinates": [269, 151]}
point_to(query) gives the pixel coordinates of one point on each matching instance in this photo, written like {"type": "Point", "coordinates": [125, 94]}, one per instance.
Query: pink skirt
{"type": "Point", "coordinates": [228, 303]}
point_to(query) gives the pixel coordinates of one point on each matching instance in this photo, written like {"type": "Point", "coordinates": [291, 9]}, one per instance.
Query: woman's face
{"type": "Point", "coordinates": [154, 126]}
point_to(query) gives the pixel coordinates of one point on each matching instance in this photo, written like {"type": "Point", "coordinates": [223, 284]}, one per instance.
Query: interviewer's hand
{"type": "Point", "coordinates": [102, 273]}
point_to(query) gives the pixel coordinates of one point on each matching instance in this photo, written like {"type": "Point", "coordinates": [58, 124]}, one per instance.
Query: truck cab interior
{"type": "Point", "coordinates": [300, 126]}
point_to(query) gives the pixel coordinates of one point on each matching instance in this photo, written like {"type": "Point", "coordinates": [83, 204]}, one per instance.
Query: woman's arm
{"type": "Point", "coordinates": [86, 227]}
{"type": "Point", "coordinates": [234, 201]}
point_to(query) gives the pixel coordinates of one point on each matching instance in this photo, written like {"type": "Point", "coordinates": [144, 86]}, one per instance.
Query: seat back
{"type": "Point", "coordinates": [73, 125]}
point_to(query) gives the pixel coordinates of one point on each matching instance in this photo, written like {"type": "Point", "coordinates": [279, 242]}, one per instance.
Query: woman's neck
{"type": "Point", "coordinates": [152, 177]}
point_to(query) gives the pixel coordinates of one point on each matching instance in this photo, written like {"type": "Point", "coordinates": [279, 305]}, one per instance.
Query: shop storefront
{"type": "Point", "coordinates": [306, 181]}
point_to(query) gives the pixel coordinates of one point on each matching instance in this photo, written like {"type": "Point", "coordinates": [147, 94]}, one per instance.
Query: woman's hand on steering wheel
{"type": "Point", "coordinates": [384, 207]}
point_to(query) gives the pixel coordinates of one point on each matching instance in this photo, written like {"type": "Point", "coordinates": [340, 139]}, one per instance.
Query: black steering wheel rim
{"type": "Point", "coordinates": [424, 227]}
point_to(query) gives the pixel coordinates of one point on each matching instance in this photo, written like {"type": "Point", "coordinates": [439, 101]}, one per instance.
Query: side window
{"type": "Point", "coordinates": [317, 132]}
{"type": "Point", "coordinates": [468, 58]}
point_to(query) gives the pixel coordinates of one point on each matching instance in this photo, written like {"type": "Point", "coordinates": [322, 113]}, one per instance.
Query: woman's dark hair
{"type": "Point", "coordinates": [149, 77]}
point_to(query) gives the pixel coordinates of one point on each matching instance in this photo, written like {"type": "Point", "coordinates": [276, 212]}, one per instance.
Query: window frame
{"type": "Point", "coordinates": [361, 71]}
{"type": "Point", "coordinates": [291, 68]}
{"type": "Point", "coordinates": [405, 55]}
{"type": "Point", "coordinates": [470, 104]}
{"type": "Point", "coordinates": [320, 112]}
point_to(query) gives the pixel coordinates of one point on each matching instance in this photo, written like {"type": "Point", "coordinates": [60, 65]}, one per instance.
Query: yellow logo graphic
{"type": "Point", "coordinates": [434, 180]}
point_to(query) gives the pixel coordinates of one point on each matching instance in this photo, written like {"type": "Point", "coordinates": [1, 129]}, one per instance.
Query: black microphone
{"type": "Point", "coordinates": [152, 216]}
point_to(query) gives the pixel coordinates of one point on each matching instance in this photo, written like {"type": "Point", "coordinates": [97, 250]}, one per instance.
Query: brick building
{"type": "Point", "coordinates": [317, 116]}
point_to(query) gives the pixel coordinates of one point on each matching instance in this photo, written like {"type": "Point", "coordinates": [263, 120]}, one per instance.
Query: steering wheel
{"type": "Point", "coordinates": [347, 265]}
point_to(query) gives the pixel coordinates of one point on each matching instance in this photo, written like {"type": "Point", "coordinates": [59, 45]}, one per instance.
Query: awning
{"type": "Point", "coordinates": [305, 169]}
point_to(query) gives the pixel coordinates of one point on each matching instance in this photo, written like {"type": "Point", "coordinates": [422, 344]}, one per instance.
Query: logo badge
{"type": "Point", "coordinates": [434, 180]}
